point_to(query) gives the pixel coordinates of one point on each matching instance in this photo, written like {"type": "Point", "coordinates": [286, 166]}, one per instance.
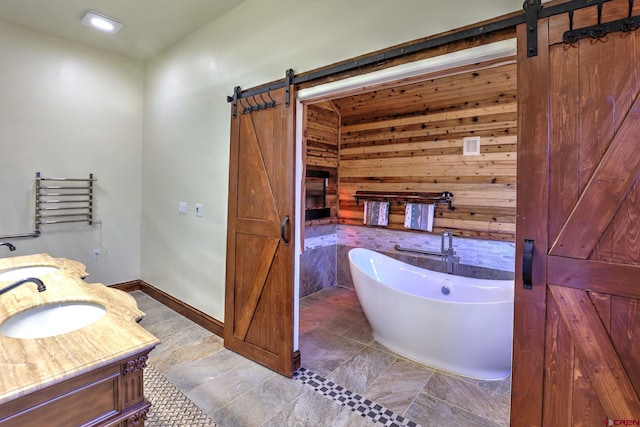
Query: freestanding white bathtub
{"type": "Point", "coordinates": [457, 324]}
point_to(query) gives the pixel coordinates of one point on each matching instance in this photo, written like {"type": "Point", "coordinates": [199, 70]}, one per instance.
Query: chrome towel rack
{"type": "Point", "coordinates": [406, 197]}
{"type": "Point", "coordinates": [64, 200]}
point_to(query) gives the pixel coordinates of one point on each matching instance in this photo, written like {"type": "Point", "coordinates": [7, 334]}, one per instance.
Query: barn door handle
{"type": "Point", "coordinates": [527, 264]}
{"type": "Point", "coordinates": [284, 222]}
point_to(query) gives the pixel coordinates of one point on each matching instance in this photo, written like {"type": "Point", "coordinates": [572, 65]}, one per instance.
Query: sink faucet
{"type": "Point", "coordinates": [9, 245]}
{"type": "Point", "coordinates": [41, 286]}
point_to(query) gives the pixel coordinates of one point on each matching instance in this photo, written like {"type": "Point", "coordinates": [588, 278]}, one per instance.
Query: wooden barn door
{"type": "Point", "coordinates": [577, 330]}
{"type": "Point", "coordinates": [260, 250]}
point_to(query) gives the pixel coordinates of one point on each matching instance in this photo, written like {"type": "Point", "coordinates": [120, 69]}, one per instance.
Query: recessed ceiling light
{"type": "Point", "coordinates": [101, 22]}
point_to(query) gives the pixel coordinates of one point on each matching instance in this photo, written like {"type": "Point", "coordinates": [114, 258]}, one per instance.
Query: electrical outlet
{"type": "Point", "coordinates": [96, 254]}
{"type": "Point", "coordinates": [199, 209]}
{"type": "Point", "coordinates": [182, 208]}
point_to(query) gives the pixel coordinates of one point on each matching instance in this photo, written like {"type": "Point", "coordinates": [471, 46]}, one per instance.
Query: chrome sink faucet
{"type": "Point", "coordinates": [41, 286]}
{"type": "Point", "coordinates": [9, 245]}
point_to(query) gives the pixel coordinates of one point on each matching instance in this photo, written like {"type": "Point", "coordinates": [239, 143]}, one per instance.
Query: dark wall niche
{"type": "Point", "coordinates": [315, 197]}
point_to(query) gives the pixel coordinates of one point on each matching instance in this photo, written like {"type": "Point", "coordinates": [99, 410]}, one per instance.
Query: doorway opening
{"type": "Point", "coordinates": [352, 103]}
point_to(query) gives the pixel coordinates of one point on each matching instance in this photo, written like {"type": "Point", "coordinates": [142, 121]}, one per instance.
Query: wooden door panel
{"type": "Point", "coordinates": [259, 278]}
{"type": "Point", "coordinates": [254, 283]}
{"type": "Point", "coordinates": [599, 358]}
{"type": "Point", "coordinates": [254, 187]}
{"type": "Point", "coordinates": [604, 192]}
{"type": "Point", "coordinates": [620, 242]}
{"type": "Point", "coordinates": [579, 203]}
{"type": "Point", "coordinates": [532, 218]}
{"type": "Point", "coordinates": [570, 398]}
{"type": "Point", "coordinates": [596, 93]}
{"type": "Point", "coordinates": [564, 126]}
{"type": "Point", "coordinates": [625, 335]}
{"type": "Point", "coordinates": [559, 373]}
{"type": "Point", "coordinates": [596, 276]}
{"type": "Point", "coordinates": [586, 410]}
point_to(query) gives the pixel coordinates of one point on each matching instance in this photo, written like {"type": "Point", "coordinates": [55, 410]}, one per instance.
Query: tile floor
{"type": "Point", "coordinates": [336, 344]}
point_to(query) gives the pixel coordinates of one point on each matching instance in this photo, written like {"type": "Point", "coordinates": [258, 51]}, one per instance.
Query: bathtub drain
{"type": "Point", "coordinates": [445, 290]}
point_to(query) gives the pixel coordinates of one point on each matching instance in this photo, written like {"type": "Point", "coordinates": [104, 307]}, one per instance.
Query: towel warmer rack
{"type": "Point", "coordinates": [63, 200]}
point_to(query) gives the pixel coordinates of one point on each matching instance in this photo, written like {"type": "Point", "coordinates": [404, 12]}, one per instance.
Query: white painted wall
{"type": "Point", "coordinates": [67, 110]}
{"type": "Point", "coordinates": [187, 118]}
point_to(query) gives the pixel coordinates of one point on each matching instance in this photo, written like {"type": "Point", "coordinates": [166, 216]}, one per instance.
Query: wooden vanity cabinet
{"type": "Point", "coordinates": [112, 395]}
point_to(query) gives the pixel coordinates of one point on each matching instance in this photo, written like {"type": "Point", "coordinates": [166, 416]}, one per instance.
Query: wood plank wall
{"type": "Point", "coordinates": [409, 138]}
{"type": "Point", "coordinates": [321, 133]}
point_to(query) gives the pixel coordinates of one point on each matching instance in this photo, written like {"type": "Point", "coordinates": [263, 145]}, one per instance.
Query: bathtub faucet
{"type": "Point", "coordinates": [41, 286]}
{"type": "Point", "coordinates": [448, 254]}
{"type": "Point", "coordinates": [9, 245]}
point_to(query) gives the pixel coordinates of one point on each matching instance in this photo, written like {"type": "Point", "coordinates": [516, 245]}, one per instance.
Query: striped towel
{"type": "Point", "coordinates": [376, 213]}
{"type": "Point", "coordinates": [419, 216]}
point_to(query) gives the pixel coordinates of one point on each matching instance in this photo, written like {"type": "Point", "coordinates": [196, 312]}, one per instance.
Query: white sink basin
{"type": "Point", "coordinates": [23, 272]}
{"type": "Point", "coordinates": [52, 319]}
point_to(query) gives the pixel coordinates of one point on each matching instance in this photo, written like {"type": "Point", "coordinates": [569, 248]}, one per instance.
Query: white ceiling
{"type": "Point", "coordinates": [149, 25]}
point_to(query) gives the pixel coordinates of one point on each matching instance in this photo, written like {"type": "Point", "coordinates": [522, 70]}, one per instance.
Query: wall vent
{"type": "Point", "coordinates": [471, 146]}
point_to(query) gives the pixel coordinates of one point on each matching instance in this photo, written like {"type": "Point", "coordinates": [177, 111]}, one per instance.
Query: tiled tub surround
{"type": "Point", "coordinates": [324, 262]}
{"type": "Point", "coordinates": [318, 262]}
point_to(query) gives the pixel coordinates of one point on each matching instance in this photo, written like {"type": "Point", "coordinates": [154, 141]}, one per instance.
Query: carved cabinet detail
{"type": "Point", "coordinates": [111, 395]}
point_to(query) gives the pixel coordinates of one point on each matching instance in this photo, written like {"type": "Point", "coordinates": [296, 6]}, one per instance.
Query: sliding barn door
{"type": "Point", "coordinates": [577, 329]}
{"type": "Point", "coordinates": [260, 249]}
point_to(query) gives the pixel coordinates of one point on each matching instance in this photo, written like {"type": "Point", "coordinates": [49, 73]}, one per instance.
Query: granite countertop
{"type": "Point", "coordinates": [27, 365]}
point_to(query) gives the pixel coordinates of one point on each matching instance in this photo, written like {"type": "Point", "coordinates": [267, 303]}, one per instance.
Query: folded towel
{"type": "Point", "coordinates": [376, 213]}
{"type": "Point", "coordinates": [419, 216]}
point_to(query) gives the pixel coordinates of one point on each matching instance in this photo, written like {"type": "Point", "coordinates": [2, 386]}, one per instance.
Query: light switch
{"type": "Point", "coordinates": [182, 208]}
{"type": "Point", "coordinates": [199, 209]}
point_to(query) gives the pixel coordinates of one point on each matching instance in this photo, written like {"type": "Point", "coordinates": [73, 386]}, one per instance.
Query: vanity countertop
{"type": "Point", "coordinates": [31, 364]}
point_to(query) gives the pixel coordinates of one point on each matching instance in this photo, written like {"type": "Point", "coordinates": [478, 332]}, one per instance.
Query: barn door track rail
{"type": "Point", "coordinates": [533, 10]}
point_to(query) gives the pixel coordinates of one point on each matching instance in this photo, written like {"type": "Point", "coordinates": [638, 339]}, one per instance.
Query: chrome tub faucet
{"type": "Point", "coordinates": [448, 254]}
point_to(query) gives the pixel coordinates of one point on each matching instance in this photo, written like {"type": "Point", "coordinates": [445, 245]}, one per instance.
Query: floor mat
{"type": "Point", "coordinates": [170, 407]}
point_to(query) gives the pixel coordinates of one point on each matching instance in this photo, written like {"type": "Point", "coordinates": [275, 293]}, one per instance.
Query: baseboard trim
{"type": "Point", "coordinates": [191, 313]}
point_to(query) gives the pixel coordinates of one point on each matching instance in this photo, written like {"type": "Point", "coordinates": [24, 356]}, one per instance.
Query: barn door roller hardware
{"type": "Point", "coordinates": [532, 11]}
{"type": "Point", "coordinates": [287, 86]}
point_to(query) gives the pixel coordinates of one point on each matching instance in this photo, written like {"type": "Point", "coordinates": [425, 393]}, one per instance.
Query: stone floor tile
{"type": "Point", "coordinates": [361, 370]}
{"type": "Point", "coordinates": [432, 412]}
{"type": "Point", "coordinates": [473, 398]}
{"type": "Point", "coordinates": [260, 403]}
{"type": "Point", "coordinates": [399, 385]}
{"type": "Point", "coordinates": [322, 351]}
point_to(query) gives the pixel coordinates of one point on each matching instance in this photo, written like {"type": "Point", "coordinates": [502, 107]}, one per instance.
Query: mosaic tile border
{"type": "Point", "coordinates": [169, 405]}
{"type": "Point", "coordinates": [353, 401]}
